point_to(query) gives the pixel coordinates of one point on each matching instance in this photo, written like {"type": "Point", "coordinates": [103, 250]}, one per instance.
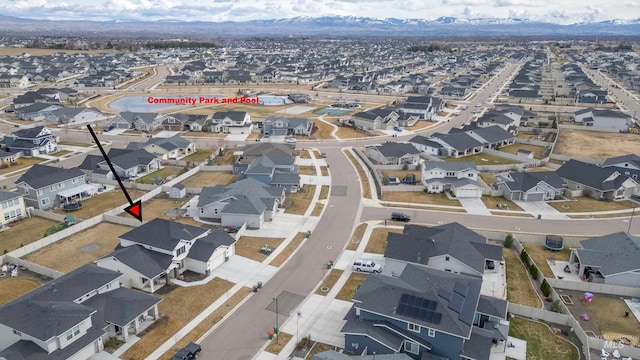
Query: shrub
{"type": "Point", "coordinates": [533, 270]}
{"type": "Point", "coordinates": [556, 306]}
{"type": "Point", "coordinates": [545, 288]}
{"type": "Point", "coordinates": [508, 241]}
{"type": "Point", "coordinates": [524, 257]}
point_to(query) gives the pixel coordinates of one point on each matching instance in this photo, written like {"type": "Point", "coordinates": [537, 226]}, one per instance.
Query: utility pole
{"type": "Point", "coordinates": [277, 328]}
{"type": "Point", "coordinates": [631, 220]}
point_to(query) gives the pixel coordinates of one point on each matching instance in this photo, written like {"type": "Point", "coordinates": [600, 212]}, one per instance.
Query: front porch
{"type": "Point", "coordinates": [136, 326]}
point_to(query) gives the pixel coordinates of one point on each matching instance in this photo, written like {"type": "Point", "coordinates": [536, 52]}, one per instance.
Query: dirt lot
{"type": "Point", "coordinates": [79, 249]}
{"type": "Point", "coordinates": [156, 207]}
{"type": "Point", "coordinates": [25, 232]}
{"type": "Point", "coordinates": [210, 178]}
{"type": "Point", "coordinates": [11, 288]}
{"type": "Point", "coordinates": [595, 144]}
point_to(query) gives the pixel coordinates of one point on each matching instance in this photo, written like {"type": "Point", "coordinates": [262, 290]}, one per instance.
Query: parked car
{"type": "Point", "coordinates": [397, 128]}
{"type": "Point", "coordinates": [398, 216]}
{"type": "Point", "coordinates": [366, 266]}
{"type": "Point", "coordinates": [109, 128]}
{"type": "Point", "coordinates": [457, 112]}
{"type": "Point", "coordinates": [292, 141]}
{"type": "Point", "coordinates": [191, 351]}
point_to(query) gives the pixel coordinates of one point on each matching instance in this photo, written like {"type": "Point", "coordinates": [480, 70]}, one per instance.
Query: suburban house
{"type": "Point", "coordinates": [612, 259]}
{"type": "Point", "coordinates": [278, 126]}
{"type": "Point", "coordinates": [35, 112]}
{"type": "Point", "coordinates": [627, 165]}
{"type": "Point", "coordinates": [138, 121]}
{"type": "Point", "coordinates": [231, 122]}
{"type": "Point", "coordinates": [8, 158]}
{"type": "Point", "coordinates": [11, 206]}
{"type": "Point", "coordinates": [604, 119]}
{"type": "Point", "coordinates": [247, 201]}
{"type": "Point", "coordinates": [425, 144]}
{"type": "Point", "coordinates": [31, 142]}
{"type": "Point", "coordinates": [14, 81]}
{"type": "Point", "coordinates": [184, 122]}
{"type": "Point", "coordinates": [459, 178]}
{"type": "Point", "coordinates": [426, 314]}
{"type": "Point", "coordinates": [130, 163]}
{"type": "Point", "coordinates": [68, 115]}
{"type": "Point", "coordinates": [530, 186]}
{"type": "Point", "coordinates": [601, 183]}
{"type": "Point", "coordinates": [159, 250]}
{"type": "Point", "coordinates": [172, 148]}
{"type": "Point", "coordinates": [448, 247]}
{"type": "Point", "coordinates": [456, 144]}
{"type": "Point", "coordinates": [71, 317]}
{"type": "Point", "coordinates": [45, 187]}
{"type": "Point", "coordinates": [391, 153]}
{"type": "Point", "coordinates": [422, 106]}
{"type": "Point", "coordinates": [334, 355]}
{"type": "Point", "coordinates": [377, 119]}
{"type": "Point", "coordinates": [274, 166]}
{"type": "Point", "coordinates": [491, 137]}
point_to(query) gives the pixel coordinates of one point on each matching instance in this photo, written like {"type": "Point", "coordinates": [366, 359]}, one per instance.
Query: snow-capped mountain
{"type": "Point", "coordinates": [328, 26]}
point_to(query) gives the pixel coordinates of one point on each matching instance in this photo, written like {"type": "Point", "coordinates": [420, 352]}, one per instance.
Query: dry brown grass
{"type": "Point", "coordinates": [595, 144]}
{"type": "Point", "coordinates": [165, 172]}
{"type": "Point", "coordinates": [541, 342]}
{"type": "Point", "coordinates": [324, 130]}
{"type": "Point", "coordinates": [249, 246]}
{"type": "Point", "coordinates": [419, 197]}
{"type": "Point", "coordinates": [22, 163]}
{"type": "Point", "coordinates": [307, 170]}
{"type": "Point", "coordinates": [301, 200]}
{"type": "Point", "coordinates": [539, 254]}
{"type": "Point", "coordinates": [329, 281]}
{"type": "Point", "coordinates": [198, 156]}
{"type": "Point", "coordinates": [202, 134]}
{"type": "Point", "coordinates": [179, 306]}
{"type": "Point", "coordinates": [364, 180]}
{"type": "Point", "coordinates": [156, 207]}
{"type": "Point", "coordinates": [356, 238]}
{"type": "Point", "coordinates": [587, 204]}
{"type": "Point", "coordinates": [349, 288]}
{"type": "Point", "coordinates": [287, 251]}
{"type": "Point", "coordinates": [12, 288]}
{"type": "Point", "coordinates": [317, 210]}
{"type": "Point", "coordinates": [11, 51]}
{"type": "Point", "coordinates": [324, 171]}
{"type": "Point", "coordinates": [25, 232]}
{"type": "Point", "coordinates": [324, 192]}
{"type": "Point", "coordinates": [102, 202]}
{"type": "Point", "coordinates": [491, 202]}
{"type": "Point", "coordinates": [208, 323]}
{"type": "Point", "coordinates": [377, 243]}
{"type": "Point", "coordinates": [488, 178]}
{"type": "Point", "coordinates": [67, 254]}
{"type": "Point", "coordinates": [226, 159]}
{"type": "Point", "coordinates": [278, 343]}
{"type": "Point", "coordinates": [317, 348]}
{"type": "Point", "coordinates": [519, 287]}
{"type": "Point", "coordinates": [402, 173]}
{"type": "Point", "coordinates": [506, 213]}
{"type": "Point", "coordinates": [424, 207]}
{"type": "Point", "coordinates": [210, 178]}
{"type": "Point", "coordinates": [304, 154]}
{"type": "Point", "coordinates": [536, 150]}
{"type": "Point", "coordinates": [422, 124]}
{"type": "Point", "coordinates": [317, 154]}
{"type": "Point", "coordinates": [347, 132]}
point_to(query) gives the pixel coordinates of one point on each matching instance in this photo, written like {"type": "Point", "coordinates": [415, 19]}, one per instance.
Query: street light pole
{"type": "Point", "coordinates": [631, 220]}
{"type": "Point", "coordinates": [277, 328]}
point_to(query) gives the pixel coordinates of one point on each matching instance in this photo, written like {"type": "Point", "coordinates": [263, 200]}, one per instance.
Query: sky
{"type": "Point", "coordinates": [555, 11]}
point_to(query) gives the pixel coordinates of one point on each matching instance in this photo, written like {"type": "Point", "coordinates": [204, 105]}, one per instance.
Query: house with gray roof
{"type": "Point", "coordinates": [72, 316]}
{"type": "Point", "coordinates": [456, 144]}
{"type": "Point", "coordinates": [127, 163]}
{"type": "Point", "coordinates": [426, 314]}
{"type": "Point", "coordinates": [35, 112]}
{"type": "Point", "coordinates": [275, 166]}
{"type": "Point", "coordinates": [334, 355]}
{"type": "Point", "coordinates": [459, 178]}
{"type": "Point", "coordinates": [45, 187]}
{"type": "Point", "coordinates": [31, 141]}
{"type": "Point", "coordinates": [11, 207]}
{"type": "Point", "coordinates": [392, 153]}
{"type": "Point", "coordinates": [601, 183]}
{"type": "Point", "coordinates": [68, 115]}
{"type": "Point", "coordinates": [425, 144]}
{"type": "Point", "coordinates": [153, 253]}
{"type": "Point", "coordinates": [231, 122]}
{"type": "Point", "coordinates": [627, 165]}
{"type": "Point", "coordinates": [279, 126]}
{"type": "Point", "coordinates": [172, 148]}
{"type": "Point", "coordinates": [612, 259]}
{"type": "Point", "coordinates": [603, 119]}
{"type": "Point", "coordinates": [246, 201]}
{"type": "Point", "coordinates": [138, 121]}
{"type": "Point", "coordinates": [530, 186]}
{"type": "Point", "coordinates": [377, 119]}
{"type": "Point", "coordinates": [492, 137]}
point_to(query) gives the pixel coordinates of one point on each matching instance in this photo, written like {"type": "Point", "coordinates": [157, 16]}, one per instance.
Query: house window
{"type": "Point", "coordinates": [52, 188]}
{"type": "Point", "coordinates": [75, 181]}
{"type": "Point", "coordinates": [38, 192]}
{"type": "Point", "coordinates": [44, 201]}
{"type": "Point", "coordinates": [7, 216]}
{"type": "Point", "coordinates": [451, 173]}
{"type": "Point", "coordinates": [181, 250]}
{"type": "Point", "coordinates": [5, 205]}
{"type": "Point", "coordinates": [413, 327]}
{"type": "Point", "coordinates": [76, 330]}
{"type": "Point", "coordinates": [16, 202]}
{"type": "Point", "coordinates": [411, 347]}
{"type": "Point", "coordinates": [60, 185]}
{"type": "Point", "coordinates": [69, 335]}
{"type": "Point", "coordinates": [432, 332]}
{"type": "Point", "coordinates": [446, 258]}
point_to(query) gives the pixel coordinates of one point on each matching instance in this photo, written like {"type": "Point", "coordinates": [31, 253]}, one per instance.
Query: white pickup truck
{"type": "Point", "coordinates": [367, 266]}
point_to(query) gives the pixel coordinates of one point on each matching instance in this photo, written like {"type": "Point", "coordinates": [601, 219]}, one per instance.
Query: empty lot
{"type": "Point", "coordinates": [595, 144]}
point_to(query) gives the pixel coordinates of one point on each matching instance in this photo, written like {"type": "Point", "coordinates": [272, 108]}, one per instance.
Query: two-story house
{"type": "Point", "coordinates": [274, 166]}
{"type": "Point", "coordinates": [71, 317]}
{"type": "Point", "coordinates": [231, 122]}
{"type": "Point", "coordinates": [628, 165]}
{"type": "Point", "coordinates": [138, 121]}
{"type": "Point", "coordinates": [460, 178]}
{"type": "Point", "coordinates": [45, 187]}
{"type": "Point", "coordinates": [11, 207]}
{"type": "Point", "coordinates": [31, 142]}
{"type": "Point", "coordinates": [278, 126]}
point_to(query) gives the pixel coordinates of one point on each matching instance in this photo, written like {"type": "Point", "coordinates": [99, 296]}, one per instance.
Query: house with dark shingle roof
{"type": "Point", "coordinates": [275, 165]}
{"type": "Point", "coordinates": [68, 115]}
{"type": "Point", "coordinates": [392, 153]}
{"type": "Point", "coordinates": [72, 316]}
{"type": "Point", "coordinates": [153, 253]}
{"type": "Point", "coordinates": [247, 201]}
{"type": "Point", "coordinates": [628, 165]}
{"type": "Point", "coordinates": [530, 186]}
{"type": "Point", "coordinates": [603, 119]}
{"type": "Point", "coordinates": [281, 126]}
{"type": "Point", "coordinates": [138, 120]}
{"type": "Point", "coordinates": [426, 314]}
{"type": "Point", "coordinates": [612, 259]}
{"type": "Point", "coordinates": [457, 144]}
{"type": "Point", "coordinates": [45, 187]}
{"type": "Point", "coordinates": [127, 163]}
{"type": "Point", "coordinates": [601, 183]}
{"type": "Point", "coordinates": [31, 141]}
{"type": "Point", "coordinates": [175, 147]}
{"type": "Point", "coordinates": [459, 178]}
{"type": "Point", "coordinates": [231, 122]}
{"type": "Point", "coordinates": [36, 112]}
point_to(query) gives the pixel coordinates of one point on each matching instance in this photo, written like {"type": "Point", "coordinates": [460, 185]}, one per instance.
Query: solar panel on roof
{"type": "Point", "coordinates": [436, 318]}
{"type": "Point", "coordinates": [444, 293]}
{"type": "Point", "coordinates": [460, 288]}
{"type": "Point", "coordinates": [402, 308]}
{"type": "Point", "coordinates": [456, 302]}
{"type": "Point", "coordinates": [403, 298]}
{"type": "Point", "coordinates": [432, 305]}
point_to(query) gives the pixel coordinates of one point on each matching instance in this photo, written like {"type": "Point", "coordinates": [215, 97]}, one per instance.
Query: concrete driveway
{"type": "Point", "coordinates": [541, 208]}
{"type": "Point", "coordinates": [474, 206]}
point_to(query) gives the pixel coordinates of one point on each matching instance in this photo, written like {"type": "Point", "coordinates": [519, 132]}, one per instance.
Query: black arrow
{"type": "Point", "coordinates": [134, 209]}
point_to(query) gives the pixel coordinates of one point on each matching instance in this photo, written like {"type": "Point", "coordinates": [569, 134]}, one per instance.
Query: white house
{"type": "Point", "coordinates": [460, 178]}
{"type": "Point", "coordinates": [11, 206]}
{"type": "Point", "coordinates": [603, 119]}
{"type": "Point", "coordinates": [231, 122]}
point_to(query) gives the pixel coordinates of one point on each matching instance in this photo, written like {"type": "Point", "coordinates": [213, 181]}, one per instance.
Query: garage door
{"type": "Point", "coordinates": [123, 125]}
{"type": "Point", "coordinates": [534, 197]}
{"type": "Point", "coordinates": [468, 192]}
{"type": "Point", "coordinates": [217, 259]}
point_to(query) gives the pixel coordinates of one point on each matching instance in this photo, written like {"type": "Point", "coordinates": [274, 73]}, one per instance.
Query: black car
{"type": "Point", "coordinates": [398, 216]}
{"type": "Point", "coordinates": [191, 351]}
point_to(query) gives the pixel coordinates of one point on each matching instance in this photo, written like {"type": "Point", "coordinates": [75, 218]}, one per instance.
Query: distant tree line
{"type": "Point", "coordinates": [180, 44]}
{"type": "Point", "coordinates": [429, 48]}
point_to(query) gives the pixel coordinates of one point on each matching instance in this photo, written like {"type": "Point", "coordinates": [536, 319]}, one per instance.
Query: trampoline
{"type": "Point", "coordinates": [554, 243]}
{"type": "Point", "coordinates": [175, 213]}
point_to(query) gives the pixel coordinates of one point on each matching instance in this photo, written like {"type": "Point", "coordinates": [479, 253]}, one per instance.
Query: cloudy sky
{"type": "Point", "coordinates": [557, 11]}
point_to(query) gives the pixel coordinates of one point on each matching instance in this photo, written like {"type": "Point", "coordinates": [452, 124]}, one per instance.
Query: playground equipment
{"type": "Point", "coordinates": [68, 221]}
{"type": "Point", "coordinates": [554, 243]}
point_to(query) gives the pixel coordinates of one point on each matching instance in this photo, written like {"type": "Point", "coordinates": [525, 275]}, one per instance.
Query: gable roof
{"type": "Point", "coordinates": [121, 306]}
{"type": "Point", "coordinates": [629, 158]}
{"type": "Point", "coordinates": [205, 247]}
{"type": "Point", "coordinates": [248, 196]}
{"type": "Point", "coordinates": [146, 262]}
{"type": "Point", "coordinates": [174, 142]}
{"type": "Point", "coordinates": [525, 181]}
{"type": "Point", "coordinates": [30, 133]}
{"type": "Point", "coordinates": [40, 176]}
{"type": "Point", "coordinates": [417, 244]}
{"type": "Point", "coordinates": [604, 179]}
{"type": "Point", "coordinates": [423, 140]}
{"type": "Point", "coordinates": [613, 253]}
{"type": "Point", "coordinates": [493, 134]}
{"type": "Point", "coordinates": [458, 141]}
{"type": "Point", "coordinates": [163, 234]}
{"type": "Point", "coordinates": [9, 195]}
{"type": "Point", "coordinates": [449, 166]}
{"type": "Point", "coordinates": [393, 149]}
{"type": "Point", "coordinates": [233, 115]}
{"type": "Point", "coordinates": [127, 159]}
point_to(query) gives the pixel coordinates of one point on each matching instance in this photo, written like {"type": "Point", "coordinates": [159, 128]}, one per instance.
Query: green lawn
{"type": "Point", "coordinates": [163, 173]}
{"type": "Point", "coordinates": [72, 143]}
{"type": "Point", "coordinates": [61, 153]}
{"type": "Point", "coordinates": [102, 202]}
{"type": "Point", "coordinates": [198, 156]}
{"type": "Point", "coordinates": [24, 232]}
{"type": "Point", "coordinates": [512, 149]}
{"type": "Point", "coordinates": [587, 204]}
{"type": "Point", "coordinates": [22, 163]}
{"type": "Point", "coordinates": [482, 159]}
{"type": "Point", "coordinates": [541, 342]}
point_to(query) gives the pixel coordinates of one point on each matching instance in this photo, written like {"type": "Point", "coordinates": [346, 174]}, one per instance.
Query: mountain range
{"type": "Point", "coordinates": [321, 26]}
